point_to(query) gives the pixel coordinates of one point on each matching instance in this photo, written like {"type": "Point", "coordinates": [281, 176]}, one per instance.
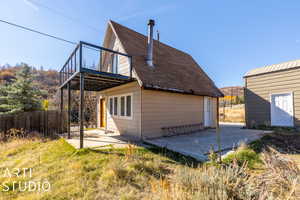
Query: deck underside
{"type": "Point", "coordinates": [96, 81]}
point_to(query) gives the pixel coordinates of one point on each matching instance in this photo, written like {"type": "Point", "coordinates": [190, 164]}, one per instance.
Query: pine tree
{"type": "Point", "coordinates": [21, 95]}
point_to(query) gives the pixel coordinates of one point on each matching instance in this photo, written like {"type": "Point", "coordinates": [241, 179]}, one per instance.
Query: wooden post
{"type": "Point", "coordinates": [69, 110]}
{"type": "Point", "coordinates": [218, 132]}
{"type": "Point", "coordinates": [61, 109]}
{"type": "Point", "coordinates": [224, 111]}
{"type": "Point", "coordinates": [81, 108]}
{"type": "Point", "coordinates": [44, 123]}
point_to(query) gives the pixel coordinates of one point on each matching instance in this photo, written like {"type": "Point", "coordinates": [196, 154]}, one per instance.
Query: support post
{"type": "Point", "coordinates": [61, 110]}
{"type": "Point", "coordinates": [81, 108]}
{"type": "Point", "coordinates": [69, 110]}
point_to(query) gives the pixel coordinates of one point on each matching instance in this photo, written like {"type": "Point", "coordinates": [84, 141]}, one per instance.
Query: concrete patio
{"type": "Point", "coordinates": [198, 145]}
{"type": "Point", "coordinates": [98, 139]}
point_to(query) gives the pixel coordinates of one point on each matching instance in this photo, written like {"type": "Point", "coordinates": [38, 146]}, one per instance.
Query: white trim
{"type": "Point", "coordinates": [208, 110]}
{"type": "Point", "coordinates": [118, 116]}
{"type": "Point", "coordinates": [293, 110]}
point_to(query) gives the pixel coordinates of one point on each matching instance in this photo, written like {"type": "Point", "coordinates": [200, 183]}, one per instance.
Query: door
{"type": "Point", "coordinates": [208, 115]}
{"type": "Point", "coordinates": [282, 109]}
{"type": "Point", "coordinates": [102, 113]}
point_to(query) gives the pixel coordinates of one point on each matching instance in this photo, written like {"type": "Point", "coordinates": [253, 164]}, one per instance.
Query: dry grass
{"type": "Point", "coordinates": [138, 173]}
{"type": "Point", "coordinates": [280, 178]}
{"type": "Point", "coordinates": [236, 113]}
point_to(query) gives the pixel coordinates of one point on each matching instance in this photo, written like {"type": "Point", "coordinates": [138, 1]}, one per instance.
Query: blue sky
{"type": "Point", "coordinates": [226, 37]}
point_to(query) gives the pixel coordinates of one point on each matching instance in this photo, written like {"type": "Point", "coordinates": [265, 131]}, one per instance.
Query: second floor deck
{"type": "Point", "coordinates": [102, 68]}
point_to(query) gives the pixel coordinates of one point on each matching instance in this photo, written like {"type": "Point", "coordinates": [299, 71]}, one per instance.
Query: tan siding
{"type": "Point", "coordinates": [289, 73]}
{"type": "Point", "coordinates": [124, 62]}
{"type": "Point", "coordinates": [129, 127]}
{"type": "Point", "coordinates": [260, 87]}
{"type": "Point", "coordinates": [159, 109]}
{"type": "Point", "coordinates": [164, 109]}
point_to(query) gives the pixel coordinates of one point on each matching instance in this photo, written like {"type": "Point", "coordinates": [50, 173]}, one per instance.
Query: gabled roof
{"type": "Point", "coordinates": [274, 68]}
{"type": "Point", "coordinates": [173, 70]}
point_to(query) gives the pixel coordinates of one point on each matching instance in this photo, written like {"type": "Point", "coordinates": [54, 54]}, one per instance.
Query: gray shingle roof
{"type": "Point", "coordinates": [274, 68]}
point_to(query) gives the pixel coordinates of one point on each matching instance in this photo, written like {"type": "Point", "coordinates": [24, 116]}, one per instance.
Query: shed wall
{"type": "Point", "coordinates": [258, 90]}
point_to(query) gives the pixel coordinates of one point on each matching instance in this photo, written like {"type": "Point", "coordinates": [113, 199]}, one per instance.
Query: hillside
{"type": "Point", "coordinates": [233, 91]}
{"type": "Point", "coordinates": [47, 80]}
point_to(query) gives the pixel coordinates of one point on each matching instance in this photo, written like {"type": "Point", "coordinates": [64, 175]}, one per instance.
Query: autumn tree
{"type": "Point", "coordinates": [21, 95]}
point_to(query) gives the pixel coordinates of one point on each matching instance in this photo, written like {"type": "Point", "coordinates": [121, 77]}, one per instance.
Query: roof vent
{"type": "Point", "coordinates": [149, 59]}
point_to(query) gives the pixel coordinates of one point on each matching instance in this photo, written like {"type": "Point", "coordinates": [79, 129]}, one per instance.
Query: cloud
{"type": "Point", "coordinates": [31, 4]}
{"type": "Point", "coordinates": [147, 12]}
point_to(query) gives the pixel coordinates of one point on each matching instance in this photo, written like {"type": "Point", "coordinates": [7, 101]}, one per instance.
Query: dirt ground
{"type": "Point", "coordinates": [284, 142]}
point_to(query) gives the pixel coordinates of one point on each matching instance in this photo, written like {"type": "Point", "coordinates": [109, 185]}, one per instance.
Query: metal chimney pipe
{"type": "Point", "coordinates": [149, 59]}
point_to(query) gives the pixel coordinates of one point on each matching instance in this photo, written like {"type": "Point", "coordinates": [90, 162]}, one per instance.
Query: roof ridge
{"type": "Point", "coordinates": [113, 22]}
{"type": "Point", "coordinates": [175, 70]}
{"type": "Point", "coordinates": [286, 62]}
{"type": "Point", "coordinates": [277, 67]}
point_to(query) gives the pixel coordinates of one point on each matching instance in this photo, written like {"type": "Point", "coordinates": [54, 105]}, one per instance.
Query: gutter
{"type": "Point", "coordinates": [148, 87]}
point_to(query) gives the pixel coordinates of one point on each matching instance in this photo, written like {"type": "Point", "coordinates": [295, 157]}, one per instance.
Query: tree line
{"type": "Point", "coordinates": [24, 88]}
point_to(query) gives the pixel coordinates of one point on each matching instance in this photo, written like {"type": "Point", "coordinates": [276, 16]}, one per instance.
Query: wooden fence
{"type": "Point", "coordinates": [47, 123]}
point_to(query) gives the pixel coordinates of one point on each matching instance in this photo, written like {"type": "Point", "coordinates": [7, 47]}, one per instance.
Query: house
{"type": "Point", "coordinates": [170, 88]}
{"type": "Point", "coordinates": [272, 95]}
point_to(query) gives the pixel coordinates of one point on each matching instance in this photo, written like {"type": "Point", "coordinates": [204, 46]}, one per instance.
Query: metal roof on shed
{"type": "Point", "coordinates": [273, 68]}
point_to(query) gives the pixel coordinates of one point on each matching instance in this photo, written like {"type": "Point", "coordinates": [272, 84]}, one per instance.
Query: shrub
{"type": "Point", "coordinates": [241, 156]}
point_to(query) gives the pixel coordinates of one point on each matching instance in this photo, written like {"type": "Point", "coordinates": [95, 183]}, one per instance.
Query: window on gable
{"type": "Point", "coordinates": [115, 63]}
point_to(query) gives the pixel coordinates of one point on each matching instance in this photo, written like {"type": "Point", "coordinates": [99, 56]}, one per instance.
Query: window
{"type": "Point", "coordinates": [128, 106]}
{"type": "Point", "coordinates": [115, 63]}
{"type": "Point", "coordinates": [115, 105]}
{"type": "Point", "coordinates": [121, 106]}
{"type": "Point", "coordinates": [110, 106]}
